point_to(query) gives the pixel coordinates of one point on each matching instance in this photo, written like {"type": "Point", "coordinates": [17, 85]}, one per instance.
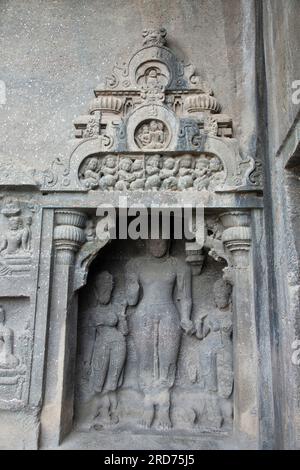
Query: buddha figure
{"type": "Point", "coordinates": [17, 238]}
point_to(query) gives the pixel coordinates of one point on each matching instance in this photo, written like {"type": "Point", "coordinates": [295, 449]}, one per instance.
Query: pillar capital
{"type": "Point", "coordinates": [68, 233]}
{"type": "Point", "coordinates": [237, 236]}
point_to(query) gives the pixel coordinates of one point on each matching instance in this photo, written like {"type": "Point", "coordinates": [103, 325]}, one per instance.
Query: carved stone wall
{"type": "Point", "coordinates": [281, 146]}
{"type": "Point", "coordinates": [153, 341]}
{"type": "Point", "coordinates": [152, 331]}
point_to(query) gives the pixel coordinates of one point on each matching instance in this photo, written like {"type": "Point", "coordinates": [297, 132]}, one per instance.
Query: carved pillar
{"type": "Point", "coordinates": [237, 240]}
{"type": "Point", "coordinates": [57, 413]}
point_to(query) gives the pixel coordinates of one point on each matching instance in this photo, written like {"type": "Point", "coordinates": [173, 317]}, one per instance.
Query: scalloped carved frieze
{"type": "Point", "coordinates": [152, 172]}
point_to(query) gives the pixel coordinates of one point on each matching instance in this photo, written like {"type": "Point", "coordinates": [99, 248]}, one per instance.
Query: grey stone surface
{"type": "Point", "coordinates": [123, 344]}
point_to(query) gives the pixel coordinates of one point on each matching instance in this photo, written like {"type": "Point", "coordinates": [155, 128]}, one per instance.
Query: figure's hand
{"type": "Point", "coordinates": [188, 327]}
{"type": "Point", "coordinates": [202, 329]}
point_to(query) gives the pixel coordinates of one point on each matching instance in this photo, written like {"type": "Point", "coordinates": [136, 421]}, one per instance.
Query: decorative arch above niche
{"type": "Point", "coordinates": [153, 106]}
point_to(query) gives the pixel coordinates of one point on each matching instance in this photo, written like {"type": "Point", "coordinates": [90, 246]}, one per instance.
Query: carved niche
{"type": "Point", "coordinates": [154, 342]}
{"type": "Point", "coordinates": [154, 104]}
{"type": "Point", "coordinates": [15, 352]}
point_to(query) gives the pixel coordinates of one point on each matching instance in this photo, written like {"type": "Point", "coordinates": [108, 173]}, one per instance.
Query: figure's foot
{"type": "Point", "coordinates": [114, 419]}
{"type": "Point", "coordinates": [216, 423]}
{"type": "Point", "coordinates": [101, 423]}
{"type": "Point", "coordinates": [98, 426]}
{"type": "Point", "coordinates": [147, 419]}
{"type": "Point", "coordinates": [164, 423]}
{"type": "Point", "coordinates": [144, 424]}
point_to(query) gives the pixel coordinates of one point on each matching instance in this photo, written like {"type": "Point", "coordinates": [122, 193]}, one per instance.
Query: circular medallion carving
{"type": "Point", "coordinates": [152, 134]}
{"type": "Point", "coordinates": [152, 74]}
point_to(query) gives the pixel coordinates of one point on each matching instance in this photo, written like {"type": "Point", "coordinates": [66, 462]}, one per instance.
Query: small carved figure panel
{"type": "Point", "coordinates": [16, 237]}
{"type": "Point", "coordinates": [7, 358]}
{"type": "Point", "coordinates": [152, 135]}
{"type": "Point", "coordinates": [153, 172]}
{"type": "Point", "coordinates": [155, 343]}
{"type": "Point", "coordinates": [153, 102]}
{"type": "Point", "coordinates": [15, 352]}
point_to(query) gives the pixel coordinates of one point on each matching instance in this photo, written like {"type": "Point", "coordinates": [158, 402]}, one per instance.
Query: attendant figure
{"type": "Point", "coordinates": [7, 358]}
{"type": "Point", "coordinates": [109, 354]}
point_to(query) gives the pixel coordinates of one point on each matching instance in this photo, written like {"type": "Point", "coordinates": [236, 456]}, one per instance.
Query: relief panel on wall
{"type": "Point", "coordinates": [16, 237]}
{"type": "Point", "coordinates": [152, 104]}
{"type": "Point", "coordinates": [155, 343]}
{"type": "Point", "coordinates": [15, 351]}
{"type": "Point", "coordinates": [153, 172]}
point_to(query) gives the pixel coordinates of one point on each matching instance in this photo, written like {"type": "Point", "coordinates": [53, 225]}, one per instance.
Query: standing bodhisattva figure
{"type": "Point", "coordinates": [158, 325]}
